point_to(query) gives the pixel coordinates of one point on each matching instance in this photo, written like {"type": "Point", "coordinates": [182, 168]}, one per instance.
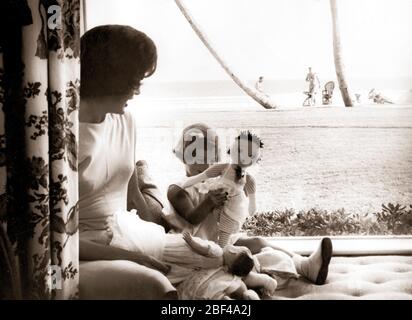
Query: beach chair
{"type": "Point", "coordinates": [327, 93]}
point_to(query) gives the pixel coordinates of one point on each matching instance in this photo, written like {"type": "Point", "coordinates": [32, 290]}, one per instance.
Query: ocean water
{"type": "Point", "coordinates": [285, 91]}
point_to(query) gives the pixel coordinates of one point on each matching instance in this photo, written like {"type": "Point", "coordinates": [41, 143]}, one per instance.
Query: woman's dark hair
{"type": "Point", "coordinates": [243, 264]}
{"type": "Point", "coordinates": [114, 59]}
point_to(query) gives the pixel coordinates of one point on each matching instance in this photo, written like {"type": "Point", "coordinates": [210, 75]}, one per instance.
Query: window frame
{"type": "Point", "coordinates": [349, 245]}
{"type": "Point", "coordinates": [353, 245]}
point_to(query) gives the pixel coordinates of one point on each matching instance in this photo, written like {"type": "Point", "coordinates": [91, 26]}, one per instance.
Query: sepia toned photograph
{"type": "Point", "coordinates": [205, 150]}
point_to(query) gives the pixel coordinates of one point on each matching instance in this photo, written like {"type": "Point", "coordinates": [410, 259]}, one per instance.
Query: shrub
{"type": "Point", "coordinates": [391, 220]}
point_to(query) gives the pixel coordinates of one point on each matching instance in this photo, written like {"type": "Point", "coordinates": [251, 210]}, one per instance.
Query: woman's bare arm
{"type": "Point", "coordinates": [90, 250]}
{"type": "Point", "coordinates": [181, 202]}
{"type": "Point", "coordinates": [139, 202]}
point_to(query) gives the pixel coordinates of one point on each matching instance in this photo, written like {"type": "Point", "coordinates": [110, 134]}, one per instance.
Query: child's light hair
{"type": "Point", "coordinates": [194, 141]}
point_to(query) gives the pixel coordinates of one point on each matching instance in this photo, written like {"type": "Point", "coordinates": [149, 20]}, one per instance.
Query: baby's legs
{"type": "Point", "coordinates": [227, 226]}
{"type": "Point", "coordinates": [314, 268]}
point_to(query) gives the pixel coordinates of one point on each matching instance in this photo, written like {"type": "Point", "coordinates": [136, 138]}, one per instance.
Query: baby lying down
{"type": "Point", "coordinates": [216, 273]}
{"type": "Point", "coordinates": [218, 284]}
{"type": "Point", "coordinates": [188, 255]}
{"type": "Point", "coordinates": [183, 252]}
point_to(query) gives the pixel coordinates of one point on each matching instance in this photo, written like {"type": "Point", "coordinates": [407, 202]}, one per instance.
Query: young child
{"type": "Point", "coordinates": [185, 253]}
{"type": "Point", "coordinates": [203, 268]}
{"type": "Point", "coordinates": [217, 284]}
{"type": "Point", "coordinates": [239, 185]}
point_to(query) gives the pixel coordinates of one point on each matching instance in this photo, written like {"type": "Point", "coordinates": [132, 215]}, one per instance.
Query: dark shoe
{"type": "Point", "coordinates": [327, 251]}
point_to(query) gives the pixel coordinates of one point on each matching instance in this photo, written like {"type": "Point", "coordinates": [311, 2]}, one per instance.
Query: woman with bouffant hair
{"type": "Point", "coordinates": [114, 61]}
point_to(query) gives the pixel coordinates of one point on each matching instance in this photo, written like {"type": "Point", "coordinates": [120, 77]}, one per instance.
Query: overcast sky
{"type": "Point", "coordinates": [275, 38]}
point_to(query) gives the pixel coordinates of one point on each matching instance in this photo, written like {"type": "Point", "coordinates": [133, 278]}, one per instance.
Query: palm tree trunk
{"type": "Point", "coordinates": [260, 97]}
{"type": "Point", "coordinates": [337, 52]}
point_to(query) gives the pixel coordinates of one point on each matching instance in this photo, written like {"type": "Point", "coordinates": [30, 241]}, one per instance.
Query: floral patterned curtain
{"type": "Point", "coordinates": [39, 100]}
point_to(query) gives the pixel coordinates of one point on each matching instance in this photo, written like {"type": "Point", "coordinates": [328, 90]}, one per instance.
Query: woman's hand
{"type": "Point", "coordinates": [191, 212]}
{"type": "Point", "coordinates": [218, 197]}
{"type": "Point", "coordinates": [151, 262]}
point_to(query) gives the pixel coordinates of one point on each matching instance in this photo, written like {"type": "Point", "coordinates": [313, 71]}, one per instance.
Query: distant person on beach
{"type": "Point", "coordinates": [314, 85]}
{"type": "Point", "coordinates": [358, 98]}
{"type": "Point", "coordinates": [259, 84]}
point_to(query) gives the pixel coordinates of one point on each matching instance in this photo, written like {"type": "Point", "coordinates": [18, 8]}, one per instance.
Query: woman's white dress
{"type": "Point", "coordinates": [107, 157]}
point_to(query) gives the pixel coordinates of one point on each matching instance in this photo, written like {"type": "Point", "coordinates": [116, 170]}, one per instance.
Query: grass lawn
{"type": "Point", "coordinates": [328, 158]}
